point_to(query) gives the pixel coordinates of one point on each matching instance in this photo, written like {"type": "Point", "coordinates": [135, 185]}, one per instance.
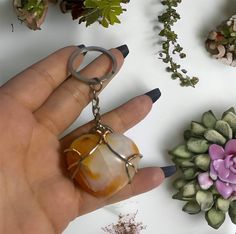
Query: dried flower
{"type": "Point", "coordinates": [171, 46]}
{"type": "Point", "coordinates": [207, 160]}
{"type": "Point", "coordinates": [126, 225]}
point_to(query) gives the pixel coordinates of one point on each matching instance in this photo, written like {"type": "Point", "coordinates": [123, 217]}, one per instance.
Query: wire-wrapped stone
{"type": "Point", "coordinates": [103, 163]}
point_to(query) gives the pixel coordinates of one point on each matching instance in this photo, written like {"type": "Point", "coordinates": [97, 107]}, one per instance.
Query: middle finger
{"type": "Point", "coordinates": [69, 99]}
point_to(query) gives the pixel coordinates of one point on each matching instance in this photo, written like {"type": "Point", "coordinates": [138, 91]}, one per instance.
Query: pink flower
{"type": "Point", "coordinates": [222, 169]}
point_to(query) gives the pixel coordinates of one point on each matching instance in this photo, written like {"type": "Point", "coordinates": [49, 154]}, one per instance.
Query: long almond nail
{"type": "Point", "coordinates": [154, 94]}
{"type": "Point", "coordinates": [169, 170]}
{"type": "Point", "coordinates": [123, 49]}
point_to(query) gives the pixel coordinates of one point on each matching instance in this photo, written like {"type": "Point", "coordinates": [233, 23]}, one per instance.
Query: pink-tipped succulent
{"type": "Point", "coordinates": [207, 160]}
{"type": "Point", "coordinates": [222, 170]}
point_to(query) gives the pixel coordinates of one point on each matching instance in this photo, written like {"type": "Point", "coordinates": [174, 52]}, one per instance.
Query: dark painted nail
{"type": "Point", "coordinates": [154, 94]}
{"type": "Point", "coordinates": [169, 170]}
{"type": "Point", "coordinates": [123, 49]}
{"type": "Point", "coordinates": [81, 46]}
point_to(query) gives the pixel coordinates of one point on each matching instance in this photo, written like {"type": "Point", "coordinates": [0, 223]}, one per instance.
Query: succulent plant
{"type": "Point", "coordinates": [171, 46]}
{"type": "Point", "coordinates": [221, 43]}
{"type": "Point", "coordinates": [105, 12]}
{"type": "Point", "coordinates": [207, 162]}
{"type": "Point", "coordinates": [31, 12]}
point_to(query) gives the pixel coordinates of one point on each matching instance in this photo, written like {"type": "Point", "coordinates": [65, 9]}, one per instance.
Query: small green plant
{"type": "Point", "coordinates": [105, 12]}
{"type": "Point", "coordinates": [170, 45]}
{"type": "Point", "coordinates": [35, 6]}
{"type": "Point", "coordinates": [205, 160]}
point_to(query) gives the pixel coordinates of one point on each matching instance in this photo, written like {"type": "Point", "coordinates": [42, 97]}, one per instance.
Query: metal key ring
{"type": "Point", "coordinates": [94, 80]}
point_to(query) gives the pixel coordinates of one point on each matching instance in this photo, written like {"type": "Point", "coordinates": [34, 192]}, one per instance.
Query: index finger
{"type": "Point", "coordinates": [34, 85]}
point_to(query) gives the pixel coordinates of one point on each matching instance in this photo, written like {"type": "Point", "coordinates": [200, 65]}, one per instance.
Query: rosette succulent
{"type": "Point", "coordinates": [221, 43]}
{"type": "Point", "coordinates": [207, 165]}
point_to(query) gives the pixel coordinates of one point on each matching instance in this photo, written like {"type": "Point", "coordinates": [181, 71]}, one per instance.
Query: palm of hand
{"type": "Point", "coordinates": [34, 185]}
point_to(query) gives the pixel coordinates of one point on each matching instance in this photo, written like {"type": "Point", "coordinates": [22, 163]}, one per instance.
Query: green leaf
{"type": "Point", "coordinates": [209, 119]}
{"type": "Point", "coordinates": [105, 12]}
{"type": "Point", "coordinates": [189, 190]}
{"type": "Point", "coordinates": [205, 200]}
{"type": "Point", "coordinates": [230, 118]}
{"type": "Point", "coordinates": [181, 151]}
{"type": "Point", "coordinates": [179, 196]}
{"type": "Point", "coordinates": [222, 204]}
{"type": "Point", "coordinates": [90, 4]}
{"type": "Point", "coordinates": [202, 161]}
{"type": "Point", "coordinates": [214, 191]}
{"type": "Point", "coordinates": [186, 164]}
{"type": "Point", "coordinates": [104, 22]}
{"type": "Point", "coordinates": [191, 207]}
{"type": "Point", "coordinates": [214, 136]}
{"type": "Point", "coordinates": [196, 145]}
{"type": "Point", "coordinates": [179, 183]}
{"type": "Point", "coordinates": [180, 161]}
{"type": "Point", "coordinates": [232, 211]}
{"type": "Point", "coordinates": [92, 17]}
{"type": "Point", "coordinates": [187, 134]}
{"type": "Point", "coordinates": [231, 109]}
{"type": "Point", "coordinates": [224, 128]}
{"type": "Point", "coordinates": [215, 218]}
{"type": "Point", "coordinates": [36, 7]}
{"type": "Point", "coordinates": [112, 18]}
{"type": "Point", "coordinates": [189, 173]}
{"type": "Point", "coordinates": [197, 128]}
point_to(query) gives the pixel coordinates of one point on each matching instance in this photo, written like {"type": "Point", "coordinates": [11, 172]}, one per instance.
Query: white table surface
{"type": "Point", "coordinates": [142, 71]}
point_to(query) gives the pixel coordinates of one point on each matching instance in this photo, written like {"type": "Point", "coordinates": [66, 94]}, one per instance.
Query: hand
{"type": "Point", "coordinates": [36, 194]}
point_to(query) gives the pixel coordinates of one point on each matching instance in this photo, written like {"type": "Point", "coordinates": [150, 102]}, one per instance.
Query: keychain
{"type": "Point", "coordinates": [102, 162]}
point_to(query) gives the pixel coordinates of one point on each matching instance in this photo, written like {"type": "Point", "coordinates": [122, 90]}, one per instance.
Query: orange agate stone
{"type": "Point", "coordinates": [102, 165]}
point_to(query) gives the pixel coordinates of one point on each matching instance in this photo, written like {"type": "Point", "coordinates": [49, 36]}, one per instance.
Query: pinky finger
{"type": "Point", "coordinates": [145, 180]}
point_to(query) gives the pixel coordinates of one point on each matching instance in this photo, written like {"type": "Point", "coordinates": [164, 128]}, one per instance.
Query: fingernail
{"type": "Point", "coordinates": [81, 46]}
{"type": "Point", "coordinates": [169, 170]}
{"type": "Point", "coordinates": [123, 49]}
{"type": "Point", "coordinates": [154, 94]}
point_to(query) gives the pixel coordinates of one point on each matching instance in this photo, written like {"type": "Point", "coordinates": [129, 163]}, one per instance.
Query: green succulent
{"type": "Point", "coordinates": [31, 12]}
{"type": "Point", "coordinates": [192, 158]}
{"type": "Point", "coordinates": [171, 46]}
{"type": "Point", "coordinates": [34, 6]}
{"type": "Point", "coordinates": [105, 12]}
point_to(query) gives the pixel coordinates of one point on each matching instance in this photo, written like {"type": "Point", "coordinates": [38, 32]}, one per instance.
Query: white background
{"type": "Point", "coordinates": [142, 71]}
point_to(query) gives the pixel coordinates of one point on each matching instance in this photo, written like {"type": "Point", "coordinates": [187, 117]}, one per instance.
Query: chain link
{"type": "Point", "coordinates": [95, 102]}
